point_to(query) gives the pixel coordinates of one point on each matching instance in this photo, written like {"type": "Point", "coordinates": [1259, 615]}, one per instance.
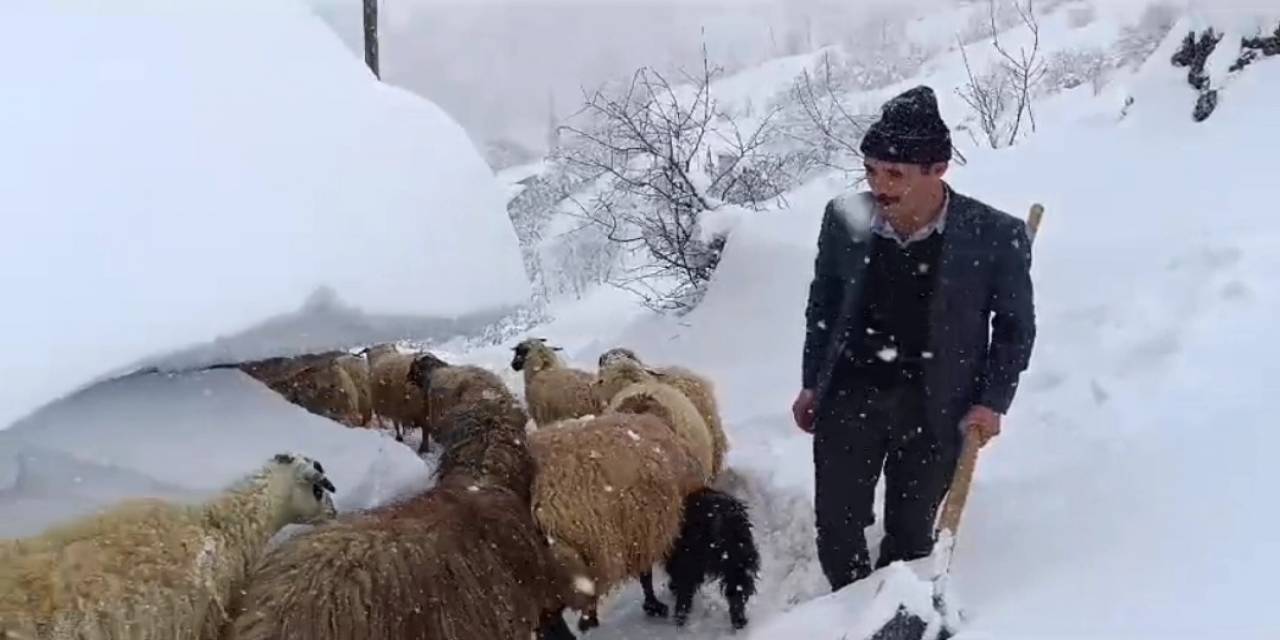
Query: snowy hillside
{"type": "Point", "coordinates": [1127, 496]}
{"type": "Point", "coordinates": [1120, 502]}
{"type": "Point", "coordinates": [172, 177]}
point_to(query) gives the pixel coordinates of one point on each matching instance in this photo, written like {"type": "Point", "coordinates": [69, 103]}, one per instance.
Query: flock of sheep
{"type": "Point", "coordinates": [538, 507]}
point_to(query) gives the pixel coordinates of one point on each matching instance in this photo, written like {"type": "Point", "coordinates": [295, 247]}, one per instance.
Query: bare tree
{"type": "Point", "coordinates": [836, 128]}
{"type": "Point", "coordinates": [665, 154]}
{"type": "Point", "coordinates": [1002, 97]}
{"type": "Point", "coordinates": [1027, 68]}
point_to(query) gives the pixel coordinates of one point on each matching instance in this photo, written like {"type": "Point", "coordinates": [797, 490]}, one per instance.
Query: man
{"type": "Point", "coordinates": [920, 322]}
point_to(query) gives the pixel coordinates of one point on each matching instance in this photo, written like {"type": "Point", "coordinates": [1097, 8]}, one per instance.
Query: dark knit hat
{"type": "Point", "coordinates": [910, 130]}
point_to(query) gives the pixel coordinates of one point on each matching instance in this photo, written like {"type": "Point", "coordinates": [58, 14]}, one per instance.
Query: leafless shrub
{"type": "Point", "coordinates": [1001, 98]}
{"type": "Point", "coordinates": [666, 154]}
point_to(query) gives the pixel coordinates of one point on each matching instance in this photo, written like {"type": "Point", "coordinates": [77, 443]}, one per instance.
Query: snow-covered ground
{"type": "Point", "coordinates": [1126, 498]}
{"type": "Point", "coordinates": [168, 177]}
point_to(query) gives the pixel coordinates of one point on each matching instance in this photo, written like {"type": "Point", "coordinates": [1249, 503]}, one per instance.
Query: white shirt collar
{"type": "Point", "coordinates": [880, 224]}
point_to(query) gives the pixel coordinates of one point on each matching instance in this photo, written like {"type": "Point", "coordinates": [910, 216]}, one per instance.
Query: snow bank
{"type": "Point", "coordinates": [1142, 431]}
{"type": "Point", "coordinates": [182, 438]}
{"type": "Point", "coordinates": [174, 175]}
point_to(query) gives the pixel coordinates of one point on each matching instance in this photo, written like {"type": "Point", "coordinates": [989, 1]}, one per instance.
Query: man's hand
{"type": "Point", "coordinates": [985, 421]}
{"type": "Point", "coordinates": [802, 410]}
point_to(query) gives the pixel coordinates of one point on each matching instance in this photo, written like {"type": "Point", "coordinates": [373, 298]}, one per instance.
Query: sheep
{"type": "Point", "coordinates": [629, 387]}
{"type": "Point", "coordinates": [148, 569]}
{"type": "Point", "coordinates": [610, 492]}
{"type": "Point", "coordinates": [463, 560]}
{"type": "Point", "coordinates": [394, 398]}
{"type": "Point", "coordinates": [357, 368]}
{"type": "Point", "coordinates": [698, 388]}
{"type": "Point", "coordinates": [327, 384]}
{"type": "Point", "coordinates": [326, 389]}
{"type": "Point", "coordinates": [446, 386]}
{"type": "Point", "coordinates": [553, 390]}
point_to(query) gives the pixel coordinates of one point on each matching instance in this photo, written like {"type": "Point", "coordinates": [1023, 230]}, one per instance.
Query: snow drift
{"type": "Point", "coordinates": [171, 175]}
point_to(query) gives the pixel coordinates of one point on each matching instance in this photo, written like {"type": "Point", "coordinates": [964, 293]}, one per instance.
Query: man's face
{"type": "Point", "coordinates": [901, 187]}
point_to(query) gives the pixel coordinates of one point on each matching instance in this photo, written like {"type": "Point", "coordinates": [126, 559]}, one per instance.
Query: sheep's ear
{"type": "Point", "coordinates": [557, 348]}
{"type": "Point", "coordinates": [326, 485]}
{"type": "Point", "coordinates": [283, 458]}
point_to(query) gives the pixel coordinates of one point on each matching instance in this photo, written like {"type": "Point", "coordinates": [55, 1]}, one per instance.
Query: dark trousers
{"type": "Point", "coordinates": [871, 421]}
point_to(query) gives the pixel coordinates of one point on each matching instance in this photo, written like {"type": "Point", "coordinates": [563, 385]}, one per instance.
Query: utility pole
{"type": "Point", "coordinates": [371, 36]}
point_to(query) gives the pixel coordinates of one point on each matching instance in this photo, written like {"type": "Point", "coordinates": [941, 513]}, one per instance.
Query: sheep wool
{"type": "Point", "coordinates": [610, 491]}
{"type": "Point", "coordinates": [552, 390]}
{"type": "Point", "coordinates": [152, 570]}
{"type": "Point", "coordinates": [357, 368]}
{"type": "Point", "coordinates": [448, 387]}
{"type": "Point", "coordinates": [697, 387]}
{"type": "Point", "coordinates": [460, 561]}
{"type": "Point", "coordinates": [639, 392]}
{"type": "Point", "coordinates": [394, 398]}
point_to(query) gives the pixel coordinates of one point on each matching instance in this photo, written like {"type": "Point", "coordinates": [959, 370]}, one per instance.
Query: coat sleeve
{"type": "Point", "coordinates": [1013, 321]}
{"type": "Point", "coordinates": [825, 293]}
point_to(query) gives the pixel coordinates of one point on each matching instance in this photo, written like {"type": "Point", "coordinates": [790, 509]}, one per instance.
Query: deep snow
{"type": "Point", "coordinates": [173, 176]}
{"type": "Point", "coordinates": [1128, 496]}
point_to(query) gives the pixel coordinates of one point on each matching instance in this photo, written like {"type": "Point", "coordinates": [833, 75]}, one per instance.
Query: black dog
{"type": "Point", "coordinates": [715, 542]}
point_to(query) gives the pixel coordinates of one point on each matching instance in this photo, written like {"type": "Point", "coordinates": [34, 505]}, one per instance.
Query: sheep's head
{"type": "Point", "coordinates": [534, 354]}
{"type": "Point", "coordinates": [309, 496]}
{"type": "Point", "coordinates": [618, 375]}
{"type": "Point", "coordinates": [487, 443]}
{"type": "Point", "coordinates": [615, 354]}
{"type": "Point", "coordinates": [422, 368]}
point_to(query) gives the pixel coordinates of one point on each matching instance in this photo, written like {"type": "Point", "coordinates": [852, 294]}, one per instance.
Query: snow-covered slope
{"type": "Point", "coordinates": [171, 176]}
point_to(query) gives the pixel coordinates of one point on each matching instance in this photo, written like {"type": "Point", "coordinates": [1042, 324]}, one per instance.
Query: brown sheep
{"type": "Point", "coordinates": [394, 398]}
{"type": "Point", "coordinates": [552, 390]}
{"type": "Point", "coordinates": [698, 388]}
{"type": "Point", "coordinates": [610, 493]}
{"type": "Point", "coordinates": [447, 386]}
{"type": "Point", "coordinates": [463, 560]}
{"type": "Point", "coordinates": [323, 388]}
{"type": "Point", "coordinates": [357, 369]}
{"type": "Point", "coordinates": [631, 388]}
{"type": "Point", "coordinates": [325, 384]}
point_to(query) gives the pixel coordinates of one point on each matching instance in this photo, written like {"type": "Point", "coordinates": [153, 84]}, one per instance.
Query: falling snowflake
{"type": "Point", "coordinates": [584, 585]}
{"type": "Point", "coordinates": [473, 488]}
{"type": "Point", "coordinates": [927, 355]}
{"type": "Point", "coordinates": [634, 436]}
{"type": "Point", "coordinates": [923, 267]}
{"type": "Point", "coordinates": [888, 354]}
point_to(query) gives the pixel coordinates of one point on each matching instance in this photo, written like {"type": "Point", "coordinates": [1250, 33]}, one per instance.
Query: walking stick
{"type": "Point", "coordinates": [905, 625]}
{"type": "Point", "coordinates": [958, 493]}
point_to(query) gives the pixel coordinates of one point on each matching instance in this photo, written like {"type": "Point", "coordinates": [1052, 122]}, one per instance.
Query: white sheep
{"type": "Point", "coordinates": [148, 569]}
{"type": "Point", "coordinates": [552, 390]}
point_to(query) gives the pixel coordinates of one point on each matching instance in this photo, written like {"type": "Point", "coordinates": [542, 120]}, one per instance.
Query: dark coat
{"type": "Point", "coordinates": [983, 312]}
